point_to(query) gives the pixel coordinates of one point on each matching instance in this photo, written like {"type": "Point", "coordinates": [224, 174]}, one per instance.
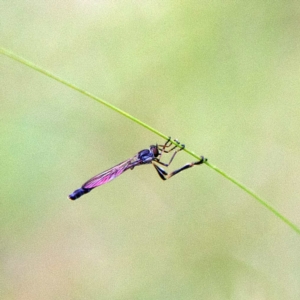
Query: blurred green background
{"type": "Point", "coordinates": [221, 76]}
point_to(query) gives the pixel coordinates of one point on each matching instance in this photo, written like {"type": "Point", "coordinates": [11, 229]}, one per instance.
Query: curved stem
{"type": "Point", "coordinates": [243, 187]}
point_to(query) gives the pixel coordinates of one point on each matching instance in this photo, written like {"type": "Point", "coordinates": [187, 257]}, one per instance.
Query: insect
{"type": "Point", "coordinates": [147, 156]}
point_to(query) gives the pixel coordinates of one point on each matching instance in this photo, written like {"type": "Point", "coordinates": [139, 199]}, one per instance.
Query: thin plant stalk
{"type": "Point", "coordinates": [125, 114]}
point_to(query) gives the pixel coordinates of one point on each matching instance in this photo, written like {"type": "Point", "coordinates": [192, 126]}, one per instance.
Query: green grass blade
{"type": "Point", "coordinates": [243, 187]}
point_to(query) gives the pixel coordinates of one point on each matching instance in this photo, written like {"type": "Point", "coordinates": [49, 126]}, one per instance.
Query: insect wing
{"type": "Point", "coordinates": [110, 174]}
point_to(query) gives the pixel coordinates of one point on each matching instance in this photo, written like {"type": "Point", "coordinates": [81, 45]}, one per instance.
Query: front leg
{"type": "Point", "coordinates": [162, 148]}
{"type": "Point", "coordinates": [179, 149]}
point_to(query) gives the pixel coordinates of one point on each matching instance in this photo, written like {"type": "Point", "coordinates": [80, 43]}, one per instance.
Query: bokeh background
{"type": "Point", "coordinates": [221, 76]}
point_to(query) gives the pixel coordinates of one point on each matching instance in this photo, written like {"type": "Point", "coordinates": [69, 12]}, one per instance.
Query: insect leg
{"type": "Point", "coordinates": [162, 150]}
{"type": "Point", "coordinates": [166, 165]}
{"type": "Point", "coordinates": [161, 172]}
{"type": "Point", "coordinates": [168, 144]}
{"type": "Point", "coordinates": [164, 175]}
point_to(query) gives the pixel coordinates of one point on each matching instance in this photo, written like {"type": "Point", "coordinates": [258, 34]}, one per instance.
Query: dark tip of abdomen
{"type": "Point", "coordinates": [78, 193]}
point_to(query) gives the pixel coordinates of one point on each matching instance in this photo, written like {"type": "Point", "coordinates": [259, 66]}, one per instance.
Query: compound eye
{"type": "Point", "coordinates": [154, 150]}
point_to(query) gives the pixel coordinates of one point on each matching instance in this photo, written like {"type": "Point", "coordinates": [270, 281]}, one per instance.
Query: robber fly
{"type": "Point", "coordinates": [146, 156]}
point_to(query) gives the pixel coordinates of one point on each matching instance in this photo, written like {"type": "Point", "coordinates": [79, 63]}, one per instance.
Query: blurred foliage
{"type": "Point", "coordinates": [221, 76]}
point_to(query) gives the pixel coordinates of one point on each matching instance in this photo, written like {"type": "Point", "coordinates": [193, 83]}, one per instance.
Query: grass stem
{"type": "Point", "coordinates": [125, 114]}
